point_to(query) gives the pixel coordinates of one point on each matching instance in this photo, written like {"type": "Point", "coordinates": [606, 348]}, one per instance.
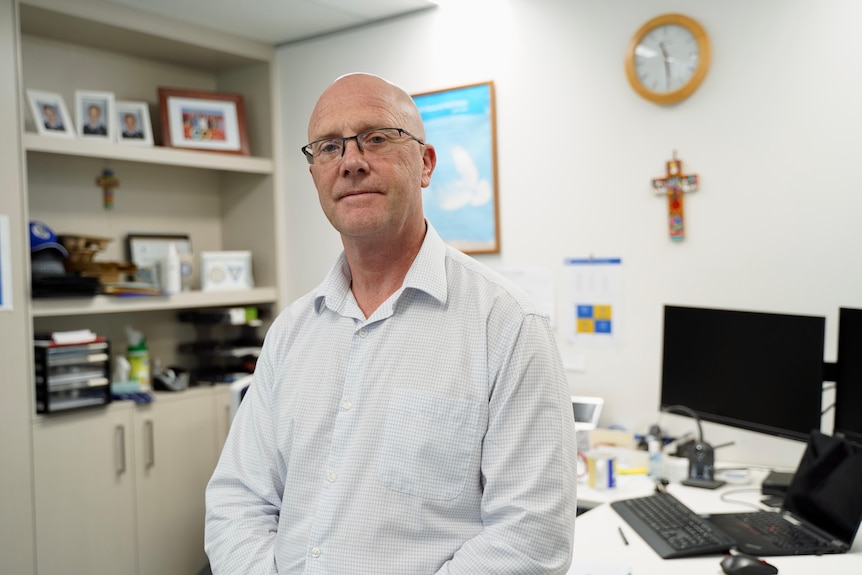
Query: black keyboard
{"type": "Point", "coordinates": [670, 528]}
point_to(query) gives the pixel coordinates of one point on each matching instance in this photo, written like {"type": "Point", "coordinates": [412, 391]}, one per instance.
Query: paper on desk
{"type": "Point", "coordinates": [587, 566]}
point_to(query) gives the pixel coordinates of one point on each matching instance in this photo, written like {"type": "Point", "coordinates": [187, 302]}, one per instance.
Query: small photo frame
{"type": "Point", "coordinates": [226, 271]}
{"type": "Point", "coordinates": [198, 120]}
{"type": "Point", "coordinates": [95, 115]}
{"type": "Point", "coordinates": [149, 251]}
{"type": "Point", "coordinates": [50, 114]}
{"type": "Point", "coordinates": [133, 123]}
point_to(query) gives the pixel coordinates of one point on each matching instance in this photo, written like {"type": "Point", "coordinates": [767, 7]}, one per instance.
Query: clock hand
{"type": "Point", "coordinates": [666, 59]}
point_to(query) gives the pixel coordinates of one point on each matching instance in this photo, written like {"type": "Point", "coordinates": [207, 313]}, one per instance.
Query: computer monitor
{"type": "Point", "coordinates": [753, 370]}
{"type": "Point", "coordinates": [848, 384]}
{"type": "Point", "coordinates": [587, 410]}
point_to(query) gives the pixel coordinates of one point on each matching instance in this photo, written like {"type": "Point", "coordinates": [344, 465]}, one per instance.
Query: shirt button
{"type": "Point", "coordinates": [363, 332]}
{"type": "Point", "coordinates": [315, 552]}
{"type": "Point", "coordinates": [348, 405]}
{"type": "Point", "coordinates": [332, 477]}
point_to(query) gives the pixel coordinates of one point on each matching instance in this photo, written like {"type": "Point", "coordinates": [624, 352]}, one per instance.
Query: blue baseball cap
{"type": "Point", "coordinates": [42, 237]}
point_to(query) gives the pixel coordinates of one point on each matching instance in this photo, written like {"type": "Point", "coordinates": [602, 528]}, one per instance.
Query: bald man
{"type": "Point", "coordinates": [410, 415]}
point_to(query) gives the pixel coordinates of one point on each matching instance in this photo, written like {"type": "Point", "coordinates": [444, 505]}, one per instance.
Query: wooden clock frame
{"type": "Point", "coordinates": [703, 62]}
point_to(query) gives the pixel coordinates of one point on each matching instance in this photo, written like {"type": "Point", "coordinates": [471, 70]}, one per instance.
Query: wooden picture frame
{"type": "Point", "coordinates": [133, 123]}
{"type": "Point", "coordinates": [50, 115]}
{"type": "Point", "coordinates": [94, 115]}
{"type": "Point", "coordinates": [462, 201]}
{"type": "Point", "coordinates": [200, 120]}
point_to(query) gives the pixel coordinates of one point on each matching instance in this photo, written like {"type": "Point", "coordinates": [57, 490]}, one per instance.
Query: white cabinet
{"type": "Point", "coordinates": [175, 454]}
{"type": "Point", "coordinates": [121, 489]}
{"type": "Point", "coordinates": [85, 492]}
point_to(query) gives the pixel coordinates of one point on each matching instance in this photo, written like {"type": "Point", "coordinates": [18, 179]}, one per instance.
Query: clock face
{"type": "Point", "coordinates": [666, 58]}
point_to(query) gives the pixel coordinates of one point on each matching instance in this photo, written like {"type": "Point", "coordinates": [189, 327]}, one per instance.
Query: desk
{"type": "Point", "coordinates": [627, 486]}
{"type": "Point", "coordinates": [597, 537]}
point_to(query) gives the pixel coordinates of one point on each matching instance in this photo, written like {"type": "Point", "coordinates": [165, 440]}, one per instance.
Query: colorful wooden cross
{"type": "Point", "coordinates": [674, 186]}
{"type": "Point", "coordinates": [108, 181]}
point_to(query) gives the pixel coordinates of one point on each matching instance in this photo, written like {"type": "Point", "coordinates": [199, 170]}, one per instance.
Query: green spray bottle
{"type": "Point", "coordinates": [139, 358]}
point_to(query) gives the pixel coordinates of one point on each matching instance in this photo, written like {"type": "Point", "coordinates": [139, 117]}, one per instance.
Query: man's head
{"type": "Point", "coordinates": [130, 121]}
{"type": "Point", "coordinates": [372, 193]}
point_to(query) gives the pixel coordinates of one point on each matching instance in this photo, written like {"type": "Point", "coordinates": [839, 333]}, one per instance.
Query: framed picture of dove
{"type": "Point", "coordinates": [461, 202]}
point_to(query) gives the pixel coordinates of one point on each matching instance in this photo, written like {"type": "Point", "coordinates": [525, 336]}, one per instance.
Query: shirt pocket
{"type": "Point", "coordinates": [428, 444]}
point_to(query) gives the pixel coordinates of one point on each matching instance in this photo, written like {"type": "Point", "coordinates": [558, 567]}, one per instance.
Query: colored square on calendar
{"type": "Point", "coordinates": [603, 326]}
{"type": "Point", "coordinates": [585, 311]}
{"type": "Point", "coordinates": [585, 326]}
{"type": "Point", "coordinates": [602, 312]}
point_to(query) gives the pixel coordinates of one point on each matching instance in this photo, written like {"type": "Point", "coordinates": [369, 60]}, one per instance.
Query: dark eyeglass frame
{"type": "Point", "coordinates": [306, 149]}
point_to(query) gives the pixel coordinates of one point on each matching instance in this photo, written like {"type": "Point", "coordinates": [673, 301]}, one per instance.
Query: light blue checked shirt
{"type": "Point", "coordinates": [436, 436]}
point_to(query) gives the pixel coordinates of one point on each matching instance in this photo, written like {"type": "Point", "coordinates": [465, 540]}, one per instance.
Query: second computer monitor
{"type": "Point", "coordinates": [754, 370]}
{"type": "Point", "coordinates": [848, 387]}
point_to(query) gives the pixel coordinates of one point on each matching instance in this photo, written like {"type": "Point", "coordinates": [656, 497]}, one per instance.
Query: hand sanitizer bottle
{"type": "Point", "coordinates": [172, 280]}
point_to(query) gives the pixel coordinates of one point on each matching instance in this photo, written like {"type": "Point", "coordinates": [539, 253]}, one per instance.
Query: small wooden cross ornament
{"type": "Point", "coordinates": [674, 185]}
{"type": "Point", "coordinates": [108, 181]}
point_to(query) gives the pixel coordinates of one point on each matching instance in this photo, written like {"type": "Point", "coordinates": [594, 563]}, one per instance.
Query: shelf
{"type": "Point", "coordinates": [117, 28]}
{"type": "Point", "coordinates": [74, 403]}
{"type": "Point", "coordinates": [102, 304]}
{"type": "Point", "coordinates": [148, 155]}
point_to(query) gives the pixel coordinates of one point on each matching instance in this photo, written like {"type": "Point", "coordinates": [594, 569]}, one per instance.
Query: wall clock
{"type": "Point", "coordinates": [668, 58]}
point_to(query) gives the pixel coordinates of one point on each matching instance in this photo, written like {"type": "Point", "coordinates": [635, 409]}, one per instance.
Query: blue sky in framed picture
{"type": "Point", "coordinates": [461, 202]}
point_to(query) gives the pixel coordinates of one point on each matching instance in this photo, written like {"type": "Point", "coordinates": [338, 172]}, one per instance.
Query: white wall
{"type": "Point", "coordinates": [774, 132]}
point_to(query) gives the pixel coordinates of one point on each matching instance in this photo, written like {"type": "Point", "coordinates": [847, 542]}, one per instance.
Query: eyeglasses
{"type": "Point", "coordinates": [377, 141]}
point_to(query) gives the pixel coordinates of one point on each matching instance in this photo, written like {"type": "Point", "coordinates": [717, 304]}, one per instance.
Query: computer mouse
{"type": "Point", "coordinates": [744, 564]}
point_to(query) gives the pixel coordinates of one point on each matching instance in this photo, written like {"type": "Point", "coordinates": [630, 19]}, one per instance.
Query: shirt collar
{"type": "Point", "coordinates": [427, 273]}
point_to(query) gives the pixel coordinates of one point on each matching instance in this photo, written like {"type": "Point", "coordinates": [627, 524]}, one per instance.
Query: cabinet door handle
{"type": "Point", "coordinates": [120, 449]}
{"type": "Point", "coordinates": [151, 444]}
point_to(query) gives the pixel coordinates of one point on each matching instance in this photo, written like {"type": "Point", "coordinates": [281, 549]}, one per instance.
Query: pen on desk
{"type": "Point", "coordinates": [623, 535]}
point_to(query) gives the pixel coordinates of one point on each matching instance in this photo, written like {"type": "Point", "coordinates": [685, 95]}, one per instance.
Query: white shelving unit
{"type": "Point", "coordinates": [222, 201]}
